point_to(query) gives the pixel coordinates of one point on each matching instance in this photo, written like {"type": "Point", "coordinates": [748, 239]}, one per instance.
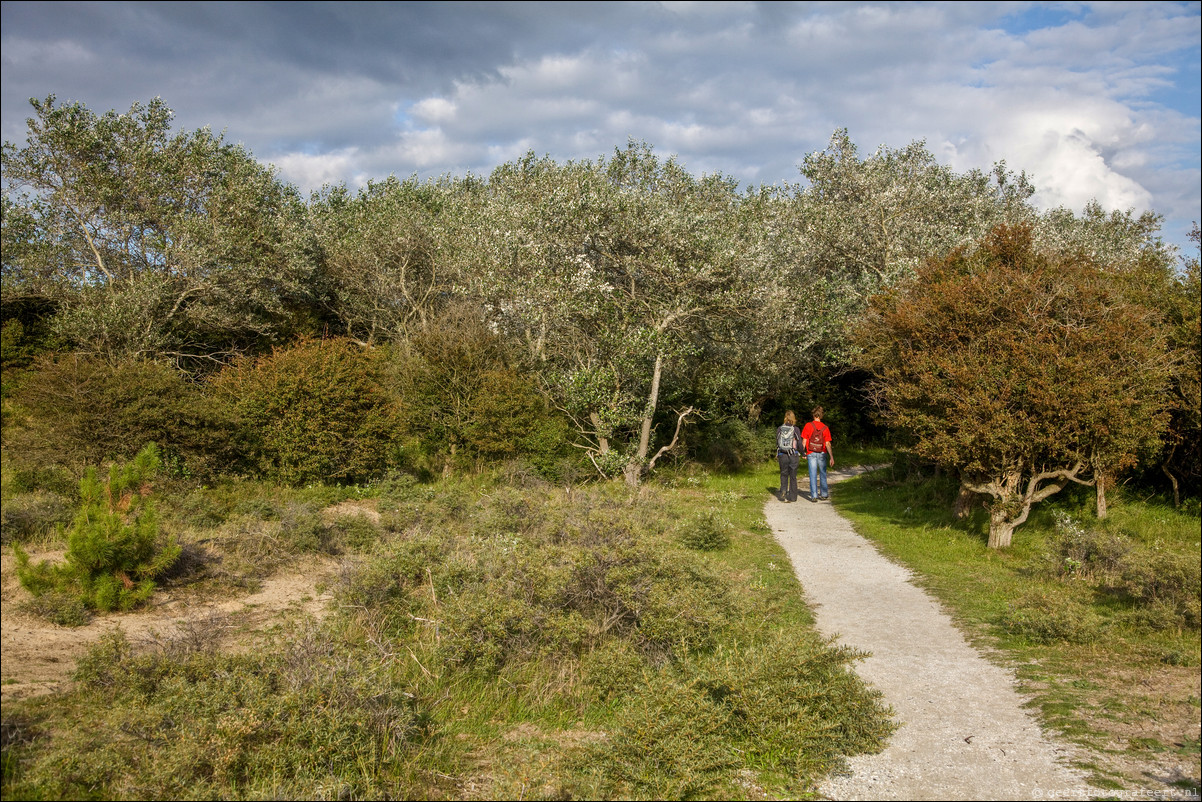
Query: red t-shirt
{"type": "Point", "coordinates": [808, 429]}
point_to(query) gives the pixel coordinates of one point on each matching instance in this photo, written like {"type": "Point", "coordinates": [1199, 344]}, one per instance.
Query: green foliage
{"type": "Point", "coordinates": [189, 721]}
{"type": "Point", "coordinates": [113, 549]}
{"type": "Point", "coordinates": [683, 734]}
{"type": "Point", "coordinates": [77, 410]}
{"type": "Point", "coordinates": [152, 243]}
{"type": "Point", "coordinates": [465, 404]}
{"type": "Point", "coordinates": [708, 530]}
{"type": "Point", "coordinates": [320, 411]}
{"type": "Point", "coordinates": [1170, 584]}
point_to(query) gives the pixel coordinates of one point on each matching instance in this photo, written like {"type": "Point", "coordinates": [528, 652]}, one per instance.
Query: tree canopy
{"type": "Point", "coordinates": [1018, 370]}
{"type": "Point", "coordinates": [639, 299]}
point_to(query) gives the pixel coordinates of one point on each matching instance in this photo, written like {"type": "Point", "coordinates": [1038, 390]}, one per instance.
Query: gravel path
{"type": "Point", "coordinates": [964, 733]}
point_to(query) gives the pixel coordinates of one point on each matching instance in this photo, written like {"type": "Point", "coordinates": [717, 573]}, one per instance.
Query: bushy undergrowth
{"type": "Point", "coordinates": [1163, 586]}
{"type": "Point", "coordinates": [78, 411]}
{"type": "Point", "coordinates": [684, 733]}
{"type": "Point", "coordinates": [308, 717]}
{"type": "Point", "coordinates": [647, 667]}
{"type": "Point", "coordinates": [35, 515]}
{"type": "Point", "coordinates": [319, 411]}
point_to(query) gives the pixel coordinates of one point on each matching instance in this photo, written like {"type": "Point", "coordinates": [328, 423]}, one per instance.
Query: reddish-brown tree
{"type": "Point", "coordinates": [1018, 370]}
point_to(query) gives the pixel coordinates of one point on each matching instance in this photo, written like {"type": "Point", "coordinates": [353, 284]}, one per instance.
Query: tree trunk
{"type": "Point", "coordinates": [633, 473]}
{"type": "Point", "coordinates": [1176, 488]}
{"type": "Point", "coordinates": [1001, 528]}
{"type": "Point", "coordinates": [964, 502]}
{"type": "Point", "coordinates": [649, 412]}
{"type": "Point", "coordinates": [602, 441]}
{"type": "Point", "coordinates": [1101, 480]}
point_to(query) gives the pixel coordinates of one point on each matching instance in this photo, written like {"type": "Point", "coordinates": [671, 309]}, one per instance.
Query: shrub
{"type": "Point", "coordinates": [316, 412]}
{"type": "Point", "coordinates": [113, 552]}
{"type": "Point", "coordinates": [311, 717]}
{"type": "Point", "coordinates": [81, 411]}
{"type": "Point", "coordinates": [1077, 551]}
{"type": "Point", "coordinates": [27, 516]}
{"type": "Point", "coordinates": [707, 531]}
{"type": "Point", "coordinates": [1168, 586]}
{"type": "Point", "coordinates": [1051, 617]}
{"type": "Point", "coordinates": [787, 704]}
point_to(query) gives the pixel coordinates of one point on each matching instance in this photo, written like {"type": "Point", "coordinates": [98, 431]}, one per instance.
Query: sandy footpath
{"type": "Point", "coordinates": [964, 733]}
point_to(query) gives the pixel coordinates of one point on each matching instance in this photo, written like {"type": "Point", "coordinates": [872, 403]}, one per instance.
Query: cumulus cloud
{"type": "Point", "coordinates": [1093, 101]}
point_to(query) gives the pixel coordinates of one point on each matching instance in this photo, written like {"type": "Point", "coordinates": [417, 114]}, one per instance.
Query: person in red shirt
{"type": "Point", "coordinates": [817, 438]}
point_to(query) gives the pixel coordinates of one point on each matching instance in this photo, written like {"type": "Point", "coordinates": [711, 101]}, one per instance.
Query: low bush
{"type": "Point", "coordinates": [79, 411]}
{"type": "Point", "coordinates": [785, 705]}
{"type": "Point", "coordinates": [1084, 552]}
{"type": "Point", "coordinates": [1048, 616]}
{"type": "Point", "coordinates": [1168, 585]}
{"type": "Point", "coordinates": [304, 718]}
{"type": "Point", "coordinates": [708, 530]}
{"type": "Point", "coordinates": [31, 516]}
{"type": "Point", "coordinates": [317, 412]}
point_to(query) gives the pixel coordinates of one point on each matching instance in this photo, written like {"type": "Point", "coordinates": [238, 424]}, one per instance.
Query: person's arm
{"type": "Point", "coordinates": [830, 449]}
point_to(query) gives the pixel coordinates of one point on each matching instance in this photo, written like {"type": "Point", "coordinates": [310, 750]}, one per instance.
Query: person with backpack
{"type": "Point", "coordinates": [788, 454]}
{"type": "Point", "coordinates": [817, 438]}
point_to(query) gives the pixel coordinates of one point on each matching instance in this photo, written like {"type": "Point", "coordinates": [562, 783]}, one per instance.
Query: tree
{"type": "Point", "coordinates": [114, 552]}
{"type": "Point", "coordinates": [858, 226]}
{"type": "Point", "coordinates": [150, 243]}
{"type": "Point", "coordinates": [613, 274]}
{"type": "Point", "coordinates": [379, 256]}
{"type": "Point", "coordinates": [1018, 370]}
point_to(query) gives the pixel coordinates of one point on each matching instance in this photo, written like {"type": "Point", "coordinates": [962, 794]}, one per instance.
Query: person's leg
{"type": "Point", "coordinates": [794, 460]}
{"type": "Point", "coordinates": [826, 493]}
{"type": "Point", "coordinates": [783, 459]}
{"type": "Point", "coordinates": [812, 462]}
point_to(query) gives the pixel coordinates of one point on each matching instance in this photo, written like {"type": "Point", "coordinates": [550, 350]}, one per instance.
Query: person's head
{"type": "Point", "coordinates": [817, 413]}
{"type": "Point", "coordinates": [790, 418]}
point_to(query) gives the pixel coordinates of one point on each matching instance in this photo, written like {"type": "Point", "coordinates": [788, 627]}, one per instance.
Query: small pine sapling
{"type": "Point", "coordinates": [113, 549]}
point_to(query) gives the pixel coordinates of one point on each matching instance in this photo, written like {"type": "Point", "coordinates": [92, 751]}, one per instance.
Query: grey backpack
{"type": "Point", "coordinates": [785, 437]}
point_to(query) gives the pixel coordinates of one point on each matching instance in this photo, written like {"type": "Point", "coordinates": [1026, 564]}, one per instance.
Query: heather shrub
{"type": "Point", "coordinates": [319, 411]}
{"type": "Point", "coordinates": [1082, 552]}
{"type": "Point", "coordinates": [786, 705]}
{"type": "Point", "coordinates": [303, 713]}
{"type": "Point", "coordinates": [1168, 586]}
{"type": "Point", "coordinates": [708, 530]}
{"type": "Point", "coordinates": [1051, 616]}
{"type": "Point", "coordinates": [29, 516]}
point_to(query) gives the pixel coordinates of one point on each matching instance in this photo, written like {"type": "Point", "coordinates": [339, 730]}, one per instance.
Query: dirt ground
{"type": "Point", "coordinates": [37, 657]}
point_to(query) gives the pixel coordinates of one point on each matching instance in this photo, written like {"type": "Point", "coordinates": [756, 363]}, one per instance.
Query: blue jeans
{"type": "Point", "coordinates": [817, 465]}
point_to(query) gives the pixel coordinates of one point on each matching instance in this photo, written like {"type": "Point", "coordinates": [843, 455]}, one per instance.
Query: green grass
{"type": "Point", "coordinates": [489, 639]}
{"type": "Point", "coordinates": [1099, 617]}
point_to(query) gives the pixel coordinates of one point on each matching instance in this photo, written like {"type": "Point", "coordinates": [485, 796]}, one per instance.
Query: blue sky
{"type": "Point", "coordinates": [1093, 100]}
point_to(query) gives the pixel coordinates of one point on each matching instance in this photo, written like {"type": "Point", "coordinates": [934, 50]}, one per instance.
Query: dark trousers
{"type": "Point", "coordinates": [788, 475]}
